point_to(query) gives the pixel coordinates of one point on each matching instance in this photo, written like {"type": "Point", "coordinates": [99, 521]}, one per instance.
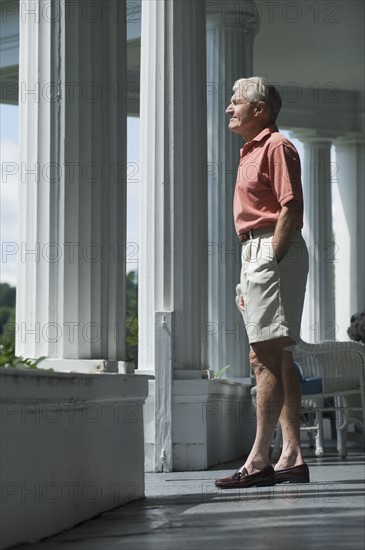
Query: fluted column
{"type": "Point", "coordinates": [230, 37]}
{"type": "Point", "coordinates": [173, 205]}
{"type": "Point", "coordinates": [70, 295]}
{"type": "Point", "coordinates": [319, 309]}
{"type": "Point", "coordinates": [349, 230]}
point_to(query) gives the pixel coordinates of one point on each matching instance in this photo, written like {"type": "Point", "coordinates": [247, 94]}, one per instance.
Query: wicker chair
{"type": "Point", "coordinates": [341, 366]}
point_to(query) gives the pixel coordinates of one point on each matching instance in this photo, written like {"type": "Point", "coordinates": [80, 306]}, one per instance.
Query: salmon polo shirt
{"type": "Point", "coordinates": [269, 176]}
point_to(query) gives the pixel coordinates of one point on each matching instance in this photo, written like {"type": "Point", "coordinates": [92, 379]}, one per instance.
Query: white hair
{"type": "Point", "coordinates": [256, 89]}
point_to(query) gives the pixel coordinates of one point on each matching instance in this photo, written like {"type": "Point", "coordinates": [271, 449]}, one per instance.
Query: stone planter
{"type": "Point", "coordinates": [71, 447]}
{"type": "Point", "coordinates": [213, 421]}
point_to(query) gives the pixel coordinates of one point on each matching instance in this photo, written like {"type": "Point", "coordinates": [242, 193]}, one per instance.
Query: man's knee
{"type": "Point", "coordinates": [255, 363]}
{"type": "Point", "coordinates": [265, 356]}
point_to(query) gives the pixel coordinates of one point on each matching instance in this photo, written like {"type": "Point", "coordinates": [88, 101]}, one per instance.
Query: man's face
{"type": "Point", "coordinates": [243, 115]}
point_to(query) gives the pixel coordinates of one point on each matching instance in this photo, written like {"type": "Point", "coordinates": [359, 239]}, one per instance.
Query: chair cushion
{"type": "Point", "coordinates": [310, 385]}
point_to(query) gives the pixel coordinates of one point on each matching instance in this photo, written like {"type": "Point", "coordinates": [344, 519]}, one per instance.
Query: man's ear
{"type": "Point", "coordinates": [260, 108]}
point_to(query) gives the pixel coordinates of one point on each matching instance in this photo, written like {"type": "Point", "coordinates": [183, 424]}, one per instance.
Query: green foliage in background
{"type": "Point", "coordinates": [7, 318]}
{"type": "Point", "coordinates": [132, 316]}
{"type": "Point", "coordinates": [7, 314]}
{"type": "Point", "coordinates": [8, 359]}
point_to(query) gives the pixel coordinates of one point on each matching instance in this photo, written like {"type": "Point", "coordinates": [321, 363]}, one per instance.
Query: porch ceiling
{"type": "Point", "coordinates": [301, 41]}
{"type": "Point", "coordinates": [324, 43]}
{"type": "Point", "coordinates": [313, 44]}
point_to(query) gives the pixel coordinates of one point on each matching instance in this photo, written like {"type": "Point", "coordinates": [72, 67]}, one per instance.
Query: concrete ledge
{"type": "Point", "coordinates": [71, 448]}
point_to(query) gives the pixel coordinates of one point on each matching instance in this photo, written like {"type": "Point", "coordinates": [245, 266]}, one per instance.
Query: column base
{"type": "Point", "coordinates": [213, 421]}
{"type": "Point", "coordinates": [91, 366]}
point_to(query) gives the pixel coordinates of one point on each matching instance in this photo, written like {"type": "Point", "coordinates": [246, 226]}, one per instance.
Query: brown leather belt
{"type": "Point", "coordinates": [243, 237]}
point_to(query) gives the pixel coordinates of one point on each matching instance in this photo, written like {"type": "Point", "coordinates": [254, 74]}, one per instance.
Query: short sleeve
{"type": "Point", "coordinates": [284, 173]}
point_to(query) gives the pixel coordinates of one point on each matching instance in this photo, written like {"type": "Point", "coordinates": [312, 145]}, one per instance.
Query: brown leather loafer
{"type": "Point", "coordinates": [242, 480]}
{"type": "Point", "coordinates": [296, 474]}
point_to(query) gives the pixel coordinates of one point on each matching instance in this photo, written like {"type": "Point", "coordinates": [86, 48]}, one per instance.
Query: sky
{"type": "Point", "coordinates": [9, 137]}
{"type": "Point", "coordinates": [8, 190]}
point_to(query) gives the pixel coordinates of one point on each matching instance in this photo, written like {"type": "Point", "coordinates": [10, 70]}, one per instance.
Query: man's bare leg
{"type": "Point", "coordinates": [266, 362]}
{"type": "Point", "coordinates": [290, 416]}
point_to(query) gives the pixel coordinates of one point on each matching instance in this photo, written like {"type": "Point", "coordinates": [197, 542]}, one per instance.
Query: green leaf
{"type": "Point", "coordinates": [9, 360]}
{"type": "Point", "coordinates": [221, 372]}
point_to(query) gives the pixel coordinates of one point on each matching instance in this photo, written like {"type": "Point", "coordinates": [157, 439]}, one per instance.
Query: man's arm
{"type": "Point", "coordinates": [285, 227]}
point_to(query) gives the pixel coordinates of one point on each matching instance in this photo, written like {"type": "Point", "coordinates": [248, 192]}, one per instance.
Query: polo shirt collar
{"type": "Point", "coordinates": [265, 132]}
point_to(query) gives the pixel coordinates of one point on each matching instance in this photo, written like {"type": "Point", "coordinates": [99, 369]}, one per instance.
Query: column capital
{"type": "Point", "coordinates": [350, 138]}
{"type": "Point", "coordinates": [238, 14]}
{"type": "Point", "coordinates": [308, 135]}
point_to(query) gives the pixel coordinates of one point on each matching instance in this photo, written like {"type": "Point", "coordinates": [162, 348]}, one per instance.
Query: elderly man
{"type": "Point", "coordinates": [268, 215]}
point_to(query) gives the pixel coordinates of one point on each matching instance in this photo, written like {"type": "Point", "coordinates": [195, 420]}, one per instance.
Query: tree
{"type": "Point", "coordinates": [7, 295]}
{"type": "Point", "coordinates": [7, 313]}
{"type": "Point", "coordinates": [131, 333]}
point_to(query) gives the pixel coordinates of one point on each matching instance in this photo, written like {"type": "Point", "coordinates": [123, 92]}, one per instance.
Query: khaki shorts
{"type": "Point", "coordinates": [273, 292]}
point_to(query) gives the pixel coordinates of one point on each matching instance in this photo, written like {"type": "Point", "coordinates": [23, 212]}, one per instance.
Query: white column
{"type": "Point", "coordinates": [319, 309]}
{"type": "Point", "coordinates": [173, 205]}
{"type": "Point", "coordinates": [230, 36]}
{"type": "Point", "coordinates": [349, 229]}
{"type": "Point", "coordinates": [70, 295]}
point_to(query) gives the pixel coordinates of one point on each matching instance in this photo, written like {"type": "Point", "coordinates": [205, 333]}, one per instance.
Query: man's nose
{"type": "Point", "coordinates": [229, 108]}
